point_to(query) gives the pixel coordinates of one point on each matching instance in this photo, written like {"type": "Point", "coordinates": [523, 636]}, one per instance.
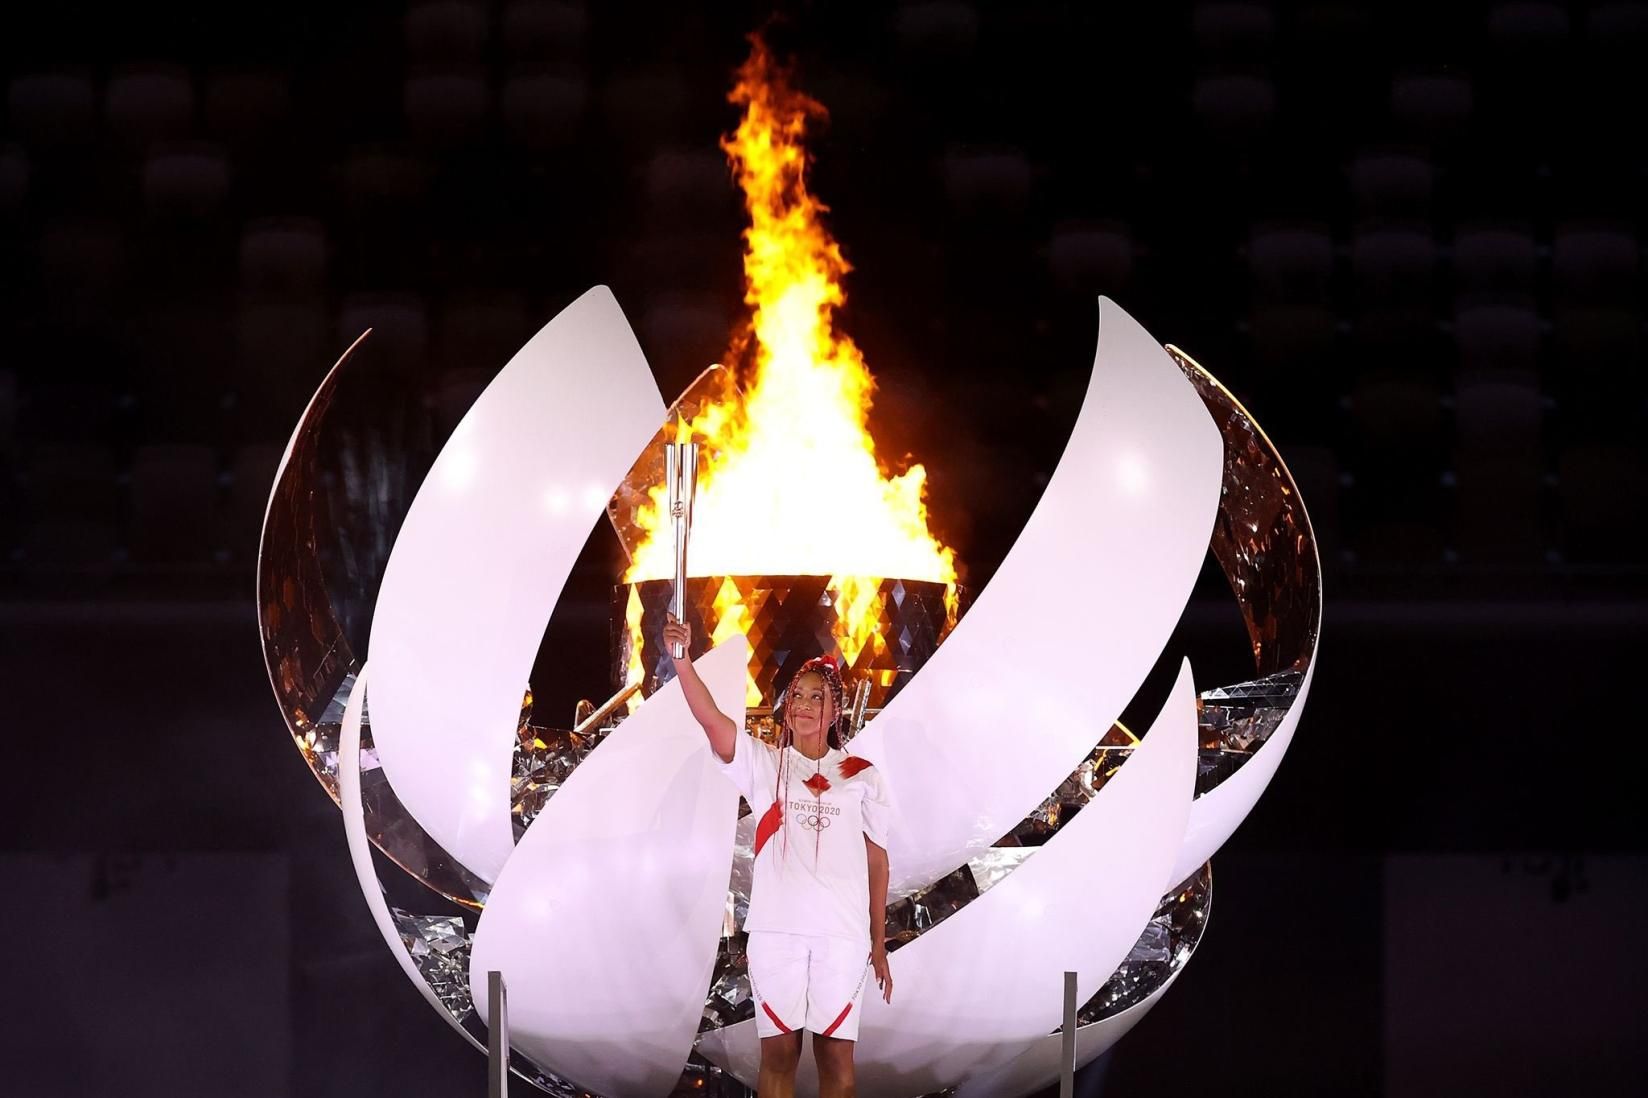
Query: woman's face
{"type": "Point", "coordinates": [811, 705]}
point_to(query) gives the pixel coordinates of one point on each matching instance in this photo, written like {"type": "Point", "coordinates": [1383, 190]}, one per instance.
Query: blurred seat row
{"type": "Point", "coordinates": [1416, 273]}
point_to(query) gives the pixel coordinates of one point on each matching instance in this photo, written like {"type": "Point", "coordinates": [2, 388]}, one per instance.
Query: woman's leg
{"type": "Point", "coordinates": [778, 980]}
{"type": "Point", "coordinates": [836, 972]}
{"type": "Point", "coordinates": [835, 1067]}
{"type": "Point", "coordinates": [779, 1057]}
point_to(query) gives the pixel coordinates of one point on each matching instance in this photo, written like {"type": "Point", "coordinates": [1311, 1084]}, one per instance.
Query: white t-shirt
{"type": "Point", "coordinates": [812, 872]}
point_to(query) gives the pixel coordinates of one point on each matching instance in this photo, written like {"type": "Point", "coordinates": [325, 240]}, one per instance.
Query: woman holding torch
{"type": "Point", "coordinates": [818, 901]}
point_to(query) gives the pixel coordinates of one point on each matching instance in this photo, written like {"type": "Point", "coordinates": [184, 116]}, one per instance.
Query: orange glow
{"type": "Point", "coordinates": [635, 671]}
{"type": "Point", "coordinates": [857, 611]}
{"type": "Point", "coordinates": [733, 619]}
{"type": "Point", "coordinates": [789, 481]}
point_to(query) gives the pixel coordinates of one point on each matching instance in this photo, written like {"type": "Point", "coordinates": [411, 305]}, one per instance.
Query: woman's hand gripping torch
{"type": "Point", "coordinates": [681, 473]}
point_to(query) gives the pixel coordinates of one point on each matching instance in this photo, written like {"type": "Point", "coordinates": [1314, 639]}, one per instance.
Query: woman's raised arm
{"type": "Point", "coordinates": [720, 728]}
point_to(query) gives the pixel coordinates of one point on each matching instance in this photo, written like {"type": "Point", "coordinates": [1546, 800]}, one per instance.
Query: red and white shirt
{"type": "Point", "coordinates": [812, 873]}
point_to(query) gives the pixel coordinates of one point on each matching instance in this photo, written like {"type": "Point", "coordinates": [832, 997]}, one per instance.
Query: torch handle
{"type": "Point", "coordinates": [678, 600]}
{"type": "Point", "coordinates": [681, 471]}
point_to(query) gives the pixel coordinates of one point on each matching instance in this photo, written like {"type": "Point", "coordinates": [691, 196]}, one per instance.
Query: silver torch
{"type": "Point", "coordinates": [681, 473]}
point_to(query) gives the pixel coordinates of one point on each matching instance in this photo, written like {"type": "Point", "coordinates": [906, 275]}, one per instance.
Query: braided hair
{"type": "Point", "coordinates": [825, 668]}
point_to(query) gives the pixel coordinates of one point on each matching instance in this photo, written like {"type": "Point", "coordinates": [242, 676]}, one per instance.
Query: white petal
{"type": "Point", "coordinates": [605, 921]}
{"type": "Point", "coordinates": [480, 561]}
{"type": "Point", "coordinates": [1070, 624]}
{"type": "Point", "coordinates": [360, 852]}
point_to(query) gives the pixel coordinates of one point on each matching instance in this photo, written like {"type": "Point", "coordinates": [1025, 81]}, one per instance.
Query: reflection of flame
{"type": "Point", "coordinates": [634, 639]}
{"type": "Point", "coordinates": [789, 482]}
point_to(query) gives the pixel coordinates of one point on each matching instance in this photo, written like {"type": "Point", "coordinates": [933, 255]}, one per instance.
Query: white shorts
{"type": "Point", "coordinates": [805, 981]}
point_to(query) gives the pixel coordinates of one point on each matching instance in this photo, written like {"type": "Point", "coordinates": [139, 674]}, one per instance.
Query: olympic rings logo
{"type": "Point", "coordinates": [812, 821]}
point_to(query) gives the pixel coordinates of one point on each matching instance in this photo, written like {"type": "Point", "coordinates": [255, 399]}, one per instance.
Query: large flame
{"type": "Point", "coordinates": [789, 480]}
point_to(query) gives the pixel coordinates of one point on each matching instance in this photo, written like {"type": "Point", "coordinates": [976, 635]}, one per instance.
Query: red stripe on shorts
{"type": "Point", "coordinates": [768, 827]}
{"type": "Point", "coordinates": [779, 1022]}
{"type": "Point", "coordinates": [839, 1018]}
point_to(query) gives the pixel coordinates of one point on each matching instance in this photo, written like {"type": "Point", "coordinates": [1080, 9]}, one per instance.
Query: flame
{"type": "Point", "coordinates": [856, 611]}
{"type": "Point", "coordinates": [789, 480]}
{"type": "Point", "coordinates": [634, 670]}
{"type": "Point", "coordinates": [733, 619]}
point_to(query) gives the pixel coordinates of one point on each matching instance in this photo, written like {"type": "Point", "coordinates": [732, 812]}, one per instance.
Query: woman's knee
{"type": "Point", "coordinates": [781, 1053]}
{"type": "Point", "coordinates": [835, 1058]}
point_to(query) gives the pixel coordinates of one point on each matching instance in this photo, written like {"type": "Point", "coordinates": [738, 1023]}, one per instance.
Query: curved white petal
{"type": "Point", "coordinates": [605, 921]}
{"type": "Point", "coordinates": [481, 559]}
{"type": "Point", "coordinates": [1038, 1067]}
{"type": "Point", "coordinates": [1218, 812]}
{"type": "Point", "coordinates": [360, 851]}
{"type": "Point", "coordinates": [1070, 624]}
{"type": "Point", "coordinates": [987, 984]}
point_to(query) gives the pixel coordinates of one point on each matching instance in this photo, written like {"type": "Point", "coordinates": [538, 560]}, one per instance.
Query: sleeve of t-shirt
{"type": "Point", "coordinates": [741, 771]}
{"type": "Point", "coordinates": [878, 809]}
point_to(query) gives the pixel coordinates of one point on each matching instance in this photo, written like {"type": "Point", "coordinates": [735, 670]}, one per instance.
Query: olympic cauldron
{"type": "Point", "coordinates": [581, 847]}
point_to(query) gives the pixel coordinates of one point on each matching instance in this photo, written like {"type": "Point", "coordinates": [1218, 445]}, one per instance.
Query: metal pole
{"type": "Point", "coordinates": [607, 709]}
{"type": "Point", "coordinates": [681, 477]}
{"type": "Point", "coordinates": [1067, 1055]}
{"type": "Point", "coordinates": [672, 486]}
{"type": "Point", "coordinates": [497, 1038]}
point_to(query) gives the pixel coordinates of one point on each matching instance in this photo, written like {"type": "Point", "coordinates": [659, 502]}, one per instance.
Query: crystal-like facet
{"type": "Point", "coordinates": [439, 946]}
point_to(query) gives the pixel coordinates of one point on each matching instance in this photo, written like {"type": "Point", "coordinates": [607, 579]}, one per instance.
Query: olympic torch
{"type": "Point", "coordinates": [681, 473]}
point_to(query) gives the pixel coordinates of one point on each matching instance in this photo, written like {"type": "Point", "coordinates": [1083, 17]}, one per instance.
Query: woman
{"type": "Point", "coordinates": [818, 902]}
